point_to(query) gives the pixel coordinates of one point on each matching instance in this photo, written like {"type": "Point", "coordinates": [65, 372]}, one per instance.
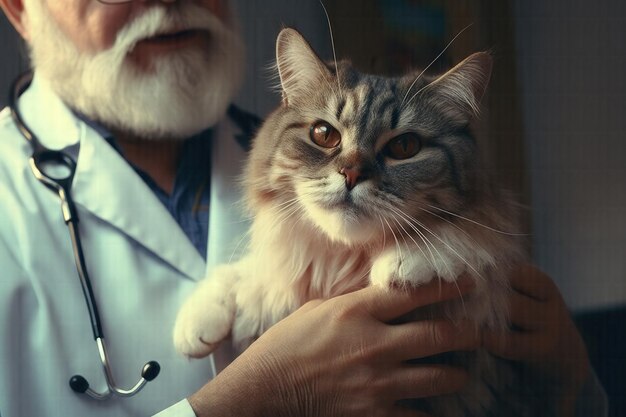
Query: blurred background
{"type": "Point", "coordinates": [553, 126]}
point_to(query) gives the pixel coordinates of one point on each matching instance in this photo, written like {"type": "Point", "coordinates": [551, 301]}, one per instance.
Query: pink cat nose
{"type": "Point", "coordinates": [353, 176]}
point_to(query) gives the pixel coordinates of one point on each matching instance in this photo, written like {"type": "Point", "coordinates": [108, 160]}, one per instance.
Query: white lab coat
{"type": "Point", "coordinates": [142, 266]}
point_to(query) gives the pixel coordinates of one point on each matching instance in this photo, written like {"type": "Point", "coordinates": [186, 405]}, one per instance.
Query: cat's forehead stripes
{"type": "Point", "coordinates": [370, 106]}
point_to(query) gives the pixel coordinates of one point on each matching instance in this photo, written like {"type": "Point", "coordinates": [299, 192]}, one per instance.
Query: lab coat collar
{"type": "Point", "coordinates": [106, 186]}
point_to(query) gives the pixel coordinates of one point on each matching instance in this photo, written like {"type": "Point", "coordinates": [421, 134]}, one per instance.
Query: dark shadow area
{"type": "Point", "coordinates": [605, 335]}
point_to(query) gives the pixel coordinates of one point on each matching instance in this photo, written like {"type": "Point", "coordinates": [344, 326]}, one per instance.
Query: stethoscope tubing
{"type": "Point", "coordinates": [62, 187]}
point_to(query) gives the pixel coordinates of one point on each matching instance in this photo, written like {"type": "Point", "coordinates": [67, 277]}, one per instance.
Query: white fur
{"type": "Point", "coordinates": [290, 262]}
{"type": "Point", "coordinates": [340, 225]}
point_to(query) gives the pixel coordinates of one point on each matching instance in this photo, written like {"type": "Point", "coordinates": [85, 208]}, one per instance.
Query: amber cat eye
{"type": "Point", "coordinates": [323, 134]}
{"type": "Point", "coordinates": [403, 146]}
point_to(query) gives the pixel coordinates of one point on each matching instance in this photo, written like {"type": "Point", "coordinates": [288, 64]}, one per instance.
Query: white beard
{"type": "Point", "coordinates": [183, 93]}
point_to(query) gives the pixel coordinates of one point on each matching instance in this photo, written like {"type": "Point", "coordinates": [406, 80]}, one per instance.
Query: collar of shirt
{"type": "Point", "coordinates": [190, 198]}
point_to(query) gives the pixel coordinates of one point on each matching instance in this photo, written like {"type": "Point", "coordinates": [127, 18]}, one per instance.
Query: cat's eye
{"type": "Point", "coordinates": [323, 134]}
{"type": "Point", "coordinates": [403, 146]}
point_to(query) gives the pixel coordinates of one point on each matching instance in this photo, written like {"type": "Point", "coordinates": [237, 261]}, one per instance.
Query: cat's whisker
{"type": "Point", "coordinates": [295, 223]}
{"type": "Point", "coordinates": [456, 226]}
{"type": "Point", "coordinates": [323, 76]}
{"type": "Point", "coordinates": [332, 42]}
{"type": "Point", "coordinates": [309, 178]}
{"type": "Point", "coordinates": [432, 262]}
{"type": "Point", "coordinates": [424, 240]}
{"type": "Point", "coordinates": [241, 240]}
{"type": "Point", "coordinates": [398, 248]}
{"type": "Point", "coordinates": [292, 197]}
{"type": "Point", "coordinates": [286, 207]}
{"type": "Point", "coordinates": [454, 251]}
{"type": "Point", "coordinates": [383, 229]}
{"type": "Point", "coordinates": [286, 203]}
{"type": "Point", "coordinates": [406, 233]}
{"type": "Point", "coordinates": [282, 218]}
{"type": "Point", "coordinates": [451, 249]}
{"type": "Point", "coordinates": [477, 223]}
{"type": "Point", "coordinates": [368, 273]}
{"type": "Point", "coordinates": [282, 214]}
{"type": "Point", "coordinates": [428, 66]}
{"type": "Point", "coordinates": [403, 236]}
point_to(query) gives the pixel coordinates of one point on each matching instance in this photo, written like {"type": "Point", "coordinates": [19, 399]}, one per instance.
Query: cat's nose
{"type": "Point", "coordinates": [353, 175]}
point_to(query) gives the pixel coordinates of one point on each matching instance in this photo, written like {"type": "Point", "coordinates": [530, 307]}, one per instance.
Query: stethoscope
{"type": "Point", "coordinates": [55, 169]}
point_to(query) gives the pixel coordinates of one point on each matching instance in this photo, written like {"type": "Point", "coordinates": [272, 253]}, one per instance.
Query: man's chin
{"type": "Point", "coordinates": [182, 97]}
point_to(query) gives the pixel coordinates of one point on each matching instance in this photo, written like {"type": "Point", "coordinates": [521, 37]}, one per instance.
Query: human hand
{"type": "Point", "coordinates": [341, 357]}
{"type": "Point", "coordinates": [543, 337]}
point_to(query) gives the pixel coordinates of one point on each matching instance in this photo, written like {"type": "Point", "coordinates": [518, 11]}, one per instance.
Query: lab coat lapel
{"type": "Point", "coordinates": [109, 188]}
{"type": "Point", "coordinates": [46, 115]}
{"type": "Point", "coordinates": [106, 186]}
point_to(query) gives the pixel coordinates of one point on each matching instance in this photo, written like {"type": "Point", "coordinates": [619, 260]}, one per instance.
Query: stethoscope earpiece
{"type": "Point", "coordinates": [79, 384]}
{"type": "Point", "coordinates": [150, 370]}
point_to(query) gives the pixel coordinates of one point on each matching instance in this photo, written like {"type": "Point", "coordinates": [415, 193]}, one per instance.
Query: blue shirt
{"type": "Point", "coordinates": [189, 201]}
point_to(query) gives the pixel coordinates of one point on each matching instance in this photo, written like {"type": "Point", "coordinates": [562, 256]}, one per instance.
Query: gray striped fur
{"type": "Point", "coordinates": [439, 187]}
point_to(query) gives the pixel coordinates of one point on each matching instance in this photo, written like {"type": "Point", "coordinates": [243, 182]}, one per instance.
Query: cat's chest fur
{"type": "Point", "coordinates": [289, 254]}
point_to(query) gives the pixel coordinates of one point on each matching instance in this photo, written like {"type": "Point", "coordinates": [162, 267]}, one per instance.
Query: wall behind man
{"type": "Point", "coordinates": [12, 57]}
{"type": "Point", "coordinates": [261, 21]}
{"type": "Point", "coordinates": [572, 64]}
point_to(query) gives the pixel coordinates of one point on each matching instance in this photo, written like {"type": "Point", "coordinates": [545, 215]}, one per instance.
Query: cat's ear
{"type": "Point", "coordinates": [463, 87]}
{"type": "Point", "coordinates": [301, 71]}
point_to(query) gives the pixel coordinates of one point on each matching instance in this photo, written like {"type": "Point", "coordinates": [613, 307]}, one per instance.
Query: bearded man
{"type": "Point", "coordinates": [137, 95]}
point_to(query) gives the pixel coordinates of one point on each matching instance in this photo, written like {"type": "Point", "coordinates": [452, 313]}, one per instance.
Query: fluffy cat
{"type": "Point", "coordinates": [360, 180]}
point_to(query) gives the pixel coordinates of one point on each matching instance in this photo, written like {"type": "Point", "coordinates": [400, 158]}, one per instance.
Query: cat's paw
{"type": "Point", "coordinates": [401, 268]}
{"type": "Point", "coordinates": [201, 327]}
{"type": "Point", "coordinates": [413, 267]}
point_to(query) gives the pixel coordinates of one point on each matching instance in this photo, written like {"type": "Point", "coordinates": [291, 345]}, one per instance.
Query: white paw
{"type": "Point", "coordinates": [200, 327]}
{"type": "Point", "coordinates": [401, 268]}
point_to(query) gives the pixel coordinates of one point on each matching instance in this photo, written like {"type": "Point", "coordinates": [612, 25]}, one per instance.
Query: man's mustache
{"type": "Point", "coordinates": [158, 21]}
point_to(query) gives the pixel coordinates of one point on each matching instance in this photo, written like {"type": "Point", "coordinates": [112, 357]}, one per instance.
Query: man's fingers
{"type": "Point", "coordinates": [399, 411]}
{"type": "Point", "coordinates": [310, 305]}
{"type": "Point", "coordinates": [388, 304]}
{"type": "Point", "coordinates": [513, 345]}
{"type": "Point", "coordinates": [431, 337]}
{"type": "Point", "coordinates": [526, 312]}
{"type": "Point", "coordinates": [532, 282]}
{"type": "Point", "coordinates": [425, 381]}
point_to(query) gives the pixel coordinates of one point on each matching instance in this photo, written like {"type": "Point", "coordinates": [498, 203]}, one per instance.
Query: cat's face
{"type": "Point", "coordinates": [362, 156]}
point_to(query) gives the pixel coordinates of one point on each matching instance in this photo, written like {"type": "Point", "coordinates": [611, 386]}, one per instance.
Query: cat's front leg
{"type": "Point", "coordinates": [414, 265]}
{"type": "Point", "coordinates": [206, 317]}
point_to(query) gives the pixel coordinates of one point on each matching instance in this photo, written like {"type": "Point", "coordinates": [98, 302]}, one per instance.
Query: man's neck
{"type": "Point", "coordinates": [157, 158]}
